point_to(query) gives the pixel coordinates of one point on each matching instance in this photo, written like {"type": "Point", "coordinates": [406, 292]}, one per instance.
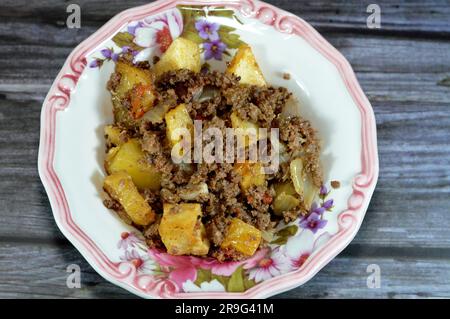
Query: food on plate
{"type": "Point", "coordinates": [130, 158]}
{"type": "Point", "coordinates": [221, 209]}
{"type": "Point", "coordinates": [245, 66]}
{"type": "Point", "coordinates": [241, 237]}
{"type": "Point", "coordinates": [182, 230]}
{"type": "Point", "coordinates": [121, 188]}
{"type": "Point", "coordinates": [181, 54]}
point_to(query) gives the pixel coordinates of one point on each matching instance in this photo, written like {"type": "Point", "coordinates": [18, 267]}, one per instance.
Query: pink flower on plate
{"type": "Point", "coordinates": [143, 264]}
{"type": "Point", "coordinates": [270, 266]}
{"type": "Point", "coordinates": [128, 239]}
{"type": "Point", "coordinates": [180, 268]}
{"type": "Point", "coordinates": [228, 268]}
{"type": "Point", "coordinates": [156, 32]}
{"type": "Point", "coordinates": [300, 247]}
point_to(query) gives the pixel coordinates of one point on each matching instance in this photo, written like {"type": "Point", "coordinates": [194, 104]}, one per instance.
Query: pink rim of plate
{"type": "Point", "coordinates": [124, 274]}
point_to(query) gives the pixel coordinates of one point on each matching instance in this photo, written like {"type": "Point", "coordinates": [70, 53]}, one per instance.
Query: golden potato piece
{"type": "Point", "coordinates": [142, 99]}
{"type": "Point", "coordinates": [182, 231]}
{"type": "Point", "coordinates": [242, 237]}
{"type": "Point", "coordinates": [250, 131]}
{"type": "Point", "coordinates": [244, 65]}
{"type": "Point", "coordinates": [121, 188]}
{"type": "Point", "coordinates": [131, 76]}
{"type": "Point", "coordinates": [252, 174]}
{"type": "Point", "coordinates": [178, 118]}
{"type": "Point", "coordinates": [112, 134]}
{"type": "Point", "coordinates": [181, 54]}
{"type": "Point", "coordinates": [129, 158]}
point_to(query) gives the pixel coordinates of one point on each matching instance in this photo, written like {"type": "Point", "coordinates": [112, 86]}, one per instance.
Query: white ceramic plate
{"type": "Point", "coordinates": [71, 152]}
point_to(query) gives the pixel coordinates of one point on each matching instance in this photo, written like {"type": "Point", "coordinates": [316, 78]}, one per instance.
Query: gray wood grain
{"type": "Point", "coordinates": [403, 69]}
{"type": "Point", "coordinates": [44, 275]}
{"type": "Point", "coordinates": [412, 16]}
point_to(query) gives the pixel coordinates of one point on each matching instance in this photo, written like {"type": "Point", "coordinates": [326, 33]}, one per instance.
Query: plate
{"type": "Point", "coordinates": [71, 151]}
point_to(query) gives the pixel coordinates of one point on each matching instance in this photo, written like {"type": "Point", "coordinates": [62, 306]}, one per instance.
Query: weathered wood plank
{"type": "Point", "coordinates": [40, 271]}
{"type": "Point", "coordinates": [414, 17]}
{"type": "Point", "coordinates": [426, 60]}
{"type": "Point", "coordinates": [30, 271]}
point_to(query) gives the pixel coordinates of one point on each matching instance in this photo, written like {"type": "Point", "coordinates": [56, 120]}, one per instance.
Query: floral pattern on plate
{"type": "Point", "coordinates": [289, 250]}
{"type": "Point", "coordinates": [153, 35]}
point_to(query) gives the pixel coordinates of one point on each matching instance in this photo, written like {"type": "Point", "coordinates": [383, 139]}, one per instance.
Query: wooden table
{"type": "Point", "coordinates": [404, 68]}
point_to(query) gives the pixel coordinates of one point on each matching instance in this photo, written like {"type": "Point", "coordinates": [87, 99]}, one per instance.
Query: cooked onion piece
{"type": "Point", "coordinates": [302, 182]}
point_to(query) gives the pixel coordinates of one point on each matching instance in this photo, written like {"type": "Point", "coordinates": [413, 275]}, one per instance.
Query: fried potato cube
{"type": "Point", "coordinates": [181, 54]}
{"type": "Point", "coordinates": [245, 66]}
{"type": "Point", "coordinates": [130, 158]}
{"type": "Point", "coordinates": [182, 231]}
{"type": "Point", "coordinates": [142, 98]}
{"type": "Point", "coordinates": [178, 118]}
{"type": "Point", "coordinates": [121, 188]}
{"type": "Point", "coordinates": [131, 76]}
{"type": "Point", "coordinates": [242, 237]}
{"type": "Point", "coordinates": [252, 174]}
{"type": "Point", "coordinates": [250, 131]}
{"type": "Point", "coordinates": [112, 134]}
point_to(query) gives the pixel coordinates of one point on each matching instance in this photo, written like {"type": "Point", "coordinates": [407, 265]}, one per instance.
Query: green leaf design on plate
{"type": "Point", "coordinates": [248, 283]}
{"type": "Point", "coordinates": [287, 231]}
{"type": "Point", "coordinates": [221, 12]}
{"type": "Point", "coordinates": [236, 282]}
{"type": "Point", "coordinates": [202, 276]}
{"type": "Point", "coordinates": [222, 279]}
{"type": "Point", "coordinates": [123, 39]}
{"type": "Point", "coordinates": [226, 28]}
{"type": "Point", "coordinates": [284, 234]}
{"type": "Point", "coordinates": [190, 15]}
{"type": "Point", "coordinates": [191, 12]}
{"type": "Point", "coordinates": [191, 34]}
{"type": "Point", "coordinates": [232, 40]}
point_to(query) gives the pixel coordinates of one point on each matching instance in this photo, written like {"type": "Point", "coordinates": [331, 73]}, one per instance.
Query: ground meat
{"type": "Point", "coordinates": [335, 184]}
{"type": "Point", "coordinates": [114, 205]}
{"type": "Point", "coordinates": [168, 196]}
{"type": "Point", "coordinates": [223, 255]}
{"type": "Point", "coordinates": [249, 112]}
{"type": "Point", "coordinates": [151, 234]}
{"type": "Point", "coordinates": [151, 143]}
{"type": "Point", "coordinates": [113, 82]}
{"type": "Point", "coordinates": [270, 101]}
{"type": "Point", "coordinates": [153, 198]}
{"type": "Point", "coordinates": [260, 197]}
{"type": "Point", "coordinates": [300, 138]}
{"type": "Point", "coordinates": [212, 96]}
{"type": "Point", "coordinates": [216, 229]}
{"type": "Point", "coordinates": [237, 96]}
{"type": "Point", "coordinates": [205, 110]}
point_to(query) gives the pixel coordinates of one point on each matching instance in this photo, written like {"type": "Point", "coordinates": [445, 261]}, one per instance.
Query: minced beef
{"type": "Point", "coordinates": [212, 96]}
